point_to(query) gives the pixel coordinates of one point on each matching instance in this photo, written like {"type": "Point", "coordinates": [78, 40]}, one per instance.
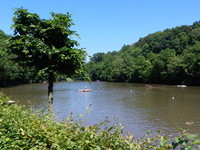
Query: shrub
{"type": "Point", "coordinates": [25, 129]}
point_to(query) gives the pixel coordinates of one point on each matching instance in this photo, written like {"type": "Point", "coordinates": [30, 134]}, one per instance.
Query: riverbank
{"type": "Point", "coordinates": [25, 129]}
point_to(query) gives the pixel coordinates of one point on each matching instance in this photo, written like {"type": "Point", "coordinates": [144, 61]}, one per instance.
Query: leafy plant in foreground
{"type": "Point", "coordinates": [25, 129]}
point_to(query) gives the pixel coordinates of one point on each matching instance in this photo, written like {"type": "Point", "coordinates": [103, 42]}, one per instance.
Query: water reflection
{"type": "Point", "coordinates": [139, 108]}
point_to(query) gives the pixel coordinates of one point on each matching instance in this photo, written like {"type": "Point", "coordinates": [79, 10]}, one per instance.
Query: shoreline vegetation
{"type": "Point", "coordinates": [169, 57]}
{"type": "Point", "coordinates": [26, 129]}
{"type": "Point", "coordinates": [166, 57]}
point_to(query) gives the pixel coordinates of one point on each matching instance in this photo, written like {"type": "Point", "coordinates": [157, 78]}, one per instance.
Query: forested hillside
{"type": "Point", "coordinates": [168, 57]}
{"type": "Point", "coordinates": [10, 71]}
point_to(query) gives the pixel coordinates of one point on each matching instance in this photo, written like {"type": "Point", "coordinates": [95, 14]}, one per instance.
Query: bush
{"type": "Point", "coordinates": [25, 129]}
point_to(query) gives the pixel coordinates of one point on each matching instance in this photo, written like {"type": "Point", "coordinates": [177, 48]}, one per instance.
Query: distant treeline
{"type": "Point", "coordinates": [168, 57]}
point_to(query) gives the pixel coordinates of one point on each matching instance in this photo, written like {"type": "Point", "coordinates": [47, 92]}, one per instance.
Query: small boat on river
{"type": "Point", "coordinates": [182, 86]}
{"type": "Point", "coordinates": [85, 90]}
{"type": "Point", "coordinates": [148, 86]}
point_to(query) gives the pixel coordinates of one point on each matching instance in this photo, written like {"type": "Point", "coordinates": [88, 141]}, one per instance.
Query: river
{"type": "Point", "coordinates": [162, 107]}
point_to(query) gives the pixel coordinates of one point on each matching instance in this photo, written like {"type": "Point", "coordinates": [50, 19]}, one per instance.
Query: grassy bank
{"type": "Point", "coordinates": [24, 129]}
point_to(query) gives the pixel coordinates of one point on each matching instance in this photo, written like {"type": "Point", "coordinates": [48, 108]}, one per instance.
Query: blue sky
{"type": "Point", "coordinates": [106, 25]}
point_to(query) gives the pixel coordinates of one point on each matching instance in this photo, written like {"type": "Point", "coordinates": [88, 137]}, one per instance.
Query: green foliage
{"type": "Point", "coordinates": [46, 44]}
{"type": "Point", "coordinates": [9, 71]}
{"type": "Point", "coordinates": [169, 57]}
{"type": "Point", "coordinates": [192, 63]}
{"type": "Point", "coordinates": [12, 72]}
{"type": "Point", "coordinates": [24, 129]}
{"type": "Point", "coordinates": [97, 57]}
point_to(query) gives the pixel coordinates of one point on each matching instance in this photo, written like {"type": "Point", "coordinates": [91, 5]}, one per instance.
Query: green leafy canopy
{"type": "Point", "coordinates": [46, 44]}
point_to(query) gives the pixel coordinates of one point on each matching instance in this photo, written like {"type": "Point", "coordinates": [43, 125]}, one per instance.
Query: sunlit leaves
{"type": "Point", "coordinates": [167, 57]}
{"type": "Point", "coordinates": [44, 43]}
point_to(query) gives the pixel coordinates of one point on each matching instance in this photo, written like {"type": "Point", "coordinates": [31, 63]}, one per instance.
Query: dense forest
{"type": "Point", "coordinates": [11, 72]}
{"type": "Point", "coordinates": [171, 56]}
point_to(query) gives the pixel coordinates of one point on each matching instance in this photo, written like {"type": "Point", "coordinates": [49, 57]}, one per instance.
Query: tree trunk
{"type": "Point", "coordinates": [50, 91]}
{"type": "Point", "coordinates": [50, 88]}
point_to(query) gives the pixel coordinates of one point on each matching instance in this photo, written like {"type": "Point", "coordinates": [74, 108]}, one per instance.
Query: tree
{"type": "Point", "coordinates": [46, 45]}
{"type": "Point", "coordinates": [97, 57]}
{"type": "Point", "coordinates": [8, 70]}
{"type": "Point", "coordinates": [192, 64]}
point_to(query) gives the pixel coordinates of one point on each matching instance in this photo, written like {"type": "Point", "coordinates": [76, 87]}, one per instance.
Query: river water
{"type": "Point", "coordinates": [162, 107]}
